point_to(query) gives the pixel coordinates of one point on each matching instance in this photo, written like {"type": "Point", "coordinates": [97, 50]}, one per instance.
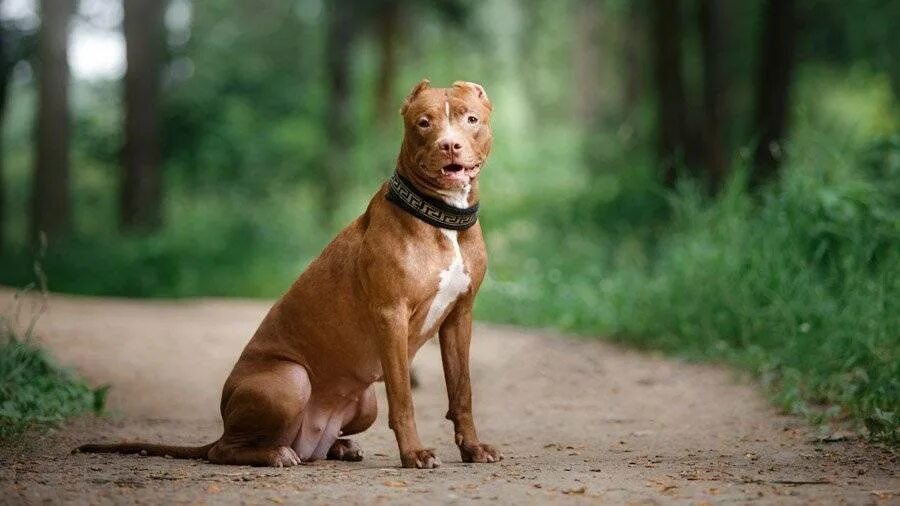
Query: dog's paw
{"type": "Point", "coordinates": [283, 457]}
{"type": "Point", "coordinates": [479, 452]}
{"type": "Point", "coordinates": [345, 449]}
{"type": "Point", "coordinates": [420, 459]}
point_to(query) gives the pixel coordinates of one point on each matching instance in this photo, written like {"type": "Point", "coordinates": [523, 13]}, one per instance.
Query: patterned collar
{"type": "Point", "coordinates": [430, 210]}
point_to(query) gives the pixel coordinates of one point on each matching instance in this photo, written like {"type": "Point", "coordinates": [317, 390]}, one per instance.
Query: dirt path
{"type": "Point", "coordinates": [578, 421]}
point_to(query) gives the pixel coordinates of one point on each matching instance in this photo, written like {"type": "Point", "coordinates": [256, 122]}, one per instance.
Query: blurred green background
{"type": "Point", "coordinates": [719, 180]}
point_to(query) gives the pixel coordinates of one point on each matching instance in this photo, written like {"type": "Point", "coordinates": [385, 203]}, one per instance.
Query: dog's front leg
{"type": "Point", "coordinates": [455, 337]}
{"type": "Point", "coordinates": [393, 347]}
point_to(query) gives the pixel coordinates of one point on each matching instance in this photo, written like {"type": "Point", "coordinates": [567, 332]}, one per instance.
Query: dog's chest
{"type": "Point", "coordinates": [452, 281]}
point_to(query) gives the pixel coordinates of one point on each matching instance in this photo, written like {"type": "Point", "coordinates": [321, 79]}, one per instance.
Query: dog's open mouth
{"type": "Point", "coordinates": [456, 171]}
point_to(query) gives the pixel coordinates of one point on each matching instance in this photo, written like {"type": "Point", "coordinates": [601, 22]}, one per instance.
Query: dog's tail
{"type": "Point", "coordinates": [177, 452]}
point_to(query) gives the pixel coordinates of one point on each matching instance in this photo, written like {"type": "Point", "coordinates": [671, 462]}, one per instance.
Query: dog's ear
{"type": "Point", "coordinates": [413, 93]}
{"type": "Point", "coordinates": [475, 88]}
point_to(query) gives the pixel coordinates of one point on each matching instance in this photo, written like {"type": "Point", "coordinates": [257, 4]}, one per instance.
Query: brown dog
{"type": "Point", "coordinates": [409, 267]}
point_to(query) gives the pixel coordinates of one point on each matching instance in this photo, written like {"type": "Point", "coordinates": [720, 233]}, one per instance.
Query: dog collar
{"type": "Point", "coordinates": [430, 210]}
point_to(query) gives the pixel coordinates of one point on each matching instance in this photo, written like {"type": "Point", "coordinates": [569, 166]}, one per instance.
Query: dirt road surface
{"type": "Point", "coordinates": [579, 421]}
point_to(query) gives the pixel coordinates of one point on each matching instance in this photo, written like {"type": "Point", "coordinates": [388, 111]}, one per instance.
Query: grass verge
{"type": "Point", "coordinates": [34, 389]}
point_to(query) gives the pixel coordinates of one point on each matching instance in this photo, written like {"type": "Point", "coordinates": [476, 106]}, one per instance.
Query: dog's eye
{"type": "Point", "coordinates": [424, 123]}
{"type": "Point", "coordinates": [472, 120]}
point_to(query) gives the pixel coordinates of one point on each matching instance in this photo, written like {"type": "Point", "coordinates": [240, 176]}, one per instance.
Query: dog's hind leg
{"type": "Point", "coordinates": [262, 409]}
{"type": "Point", "coordinates": [366, 410]}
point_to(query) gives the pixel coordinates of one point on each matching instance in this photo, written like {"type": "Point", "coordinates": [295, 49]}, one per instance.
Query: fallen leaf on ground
{"type": "Point", "coordinates": [884, 495]}
{"type": "Point", "coordinates": [662, 485]}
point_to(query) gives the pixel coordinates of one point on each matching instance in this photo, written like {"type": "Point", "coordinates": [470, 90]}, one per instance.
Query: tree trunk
{"type": "Point", "coordinates": [141, 187]}
{"type": "Point", "coordinates": [388, 39]}
{"type": "Point", "coordinates": [339, 117]}
{"type": "Point", "coordinates": [633, 47]}
{"type": "Point", "coordinates": [50, 200]}
{"type": "Point", "coordinates": [6, 64]}
{"type": "Point", "coordinates": [775, 73]}
{"type": "Point", "coordinates": [670, 88]}
{"type": "Point", "coordinates": [713, 135]}
{"type": "Point", "coordinates": [587, 62]}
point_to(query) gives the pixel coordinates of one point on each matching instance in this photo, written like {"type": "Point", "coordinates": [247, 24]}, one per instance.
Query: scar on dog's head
{"type": "Point", "coordinates": [447, 134]}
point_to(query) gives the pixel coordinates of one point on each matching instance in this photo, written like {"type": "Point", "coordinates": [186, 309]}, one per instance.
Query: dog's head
{"type": "Point", "coordinates": [447, 135]}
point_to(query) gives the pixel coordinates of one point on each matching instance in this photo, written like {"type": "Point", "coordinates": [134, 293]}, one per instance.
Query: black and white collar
{"type": "Point", "coordinates": [430, 210]}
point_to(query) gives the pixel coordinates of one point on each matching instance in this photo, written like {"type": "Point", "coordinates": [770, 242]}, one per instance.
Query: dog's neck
{"type": "Point", "coordinates": [457, 198]}
{"type": "Point", "coordinates": [431, 210]}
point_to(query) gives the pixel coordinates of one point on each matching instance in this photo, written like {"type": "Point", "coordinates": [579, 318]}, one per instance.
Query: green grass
{"type": "Point", "coordinates": [35, 391]}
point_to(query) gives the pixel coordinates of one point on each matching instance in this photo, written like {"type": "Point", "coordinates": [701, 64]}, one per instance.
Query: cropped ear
{"type": "Point", "coordinates": [413, 93]}
{"type": "Point", "coordinates": [477, 89]}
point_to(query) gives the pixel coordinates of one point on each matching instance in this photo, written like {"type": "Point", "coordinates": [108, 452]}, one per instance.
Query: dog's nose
{"type": "Point", "coordinates": [449, 145]}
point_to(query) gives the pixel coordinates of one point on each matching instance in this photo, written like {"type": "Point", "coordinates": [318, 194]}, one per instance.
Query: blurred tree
{"type": "Point", "coordinates": [141, 183]}
{"type": "Point", "coordinates": [389, 20]}
{"type": "Point", "coordinates": [633, 48]}
{"type": "Point", "coordinates": [50, 199]}
{"type": "Point", "coordinates": [248, 120]}
{"type": "Point", "coordinates": [339, 117]}
{"type": "Point", "coordinates": [16, 44]}
{"type": "Point", "coordinates": [599, 93]}
{"type": "Point", "coordinates": [844, 33]}
{"type": "Point", "coordinates": [671, 106]}
{"type": "Point", "coordinates": [693, 136]}
{"type": "Point", "coordinates": [387, 30]}
{"type": "Point", "coordinates": [6, 66]}
{"type": "Point", "coordinates": [588, 52]}
{"type": "Point", "coordinates": [713, 135]}
{"type": "Point", "coordinates": [775, 71]}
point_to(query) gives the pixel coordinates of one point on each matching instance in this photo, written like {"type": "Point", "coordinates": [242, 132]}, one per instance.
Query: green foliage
{"type": "Point", "coordinates": [803, 289]}
{"type": "Point", "coordinates": [858, 32]}
{"type": "Point", "coordinates": [800, 286]}
{"type": "Point", "coordinates": [223, 244]}
{"type": "Point", "coordinates": [244, 109]}
{"type": "Point", "coordinates": [34, 390]}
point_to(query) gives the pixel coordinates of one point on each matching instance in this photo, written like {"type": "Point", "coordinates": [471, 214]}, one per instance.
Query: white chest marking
{"type": "Point", "coordinates": [454, 281]}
